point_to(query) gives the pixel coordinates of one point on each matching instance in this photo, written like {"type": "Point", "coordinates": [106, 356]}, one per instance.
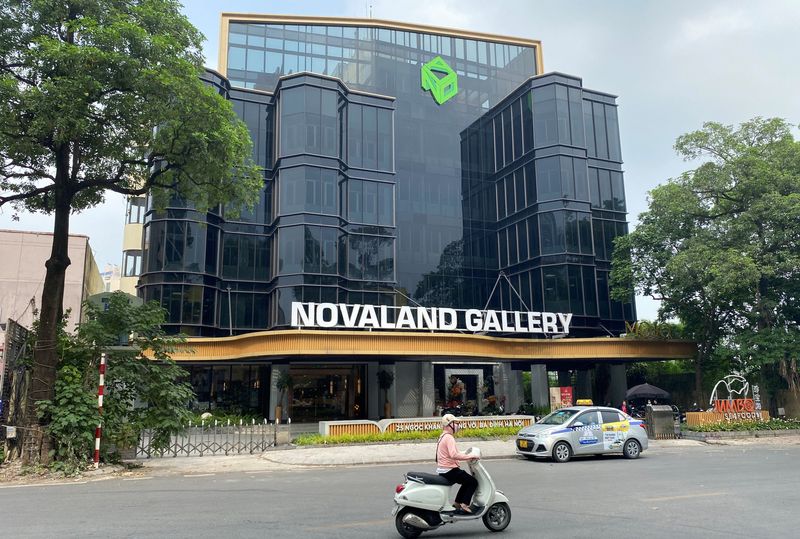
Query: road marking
{"type": "Point", "coordinates": [45, 484]}
{"type": "Point", "coordinates": [351, 524]}
{"type": "Point", "coordinates": [683, 497]}
{"type": "Point", "coordinates": [136, 478]}
{"type": "Point", "coordinates": [198, 475]}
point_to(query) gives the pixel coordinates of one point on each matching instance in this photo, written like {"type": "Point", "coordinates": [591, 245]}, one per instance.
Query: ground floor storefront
{"type": "Point", "coordinates": [335, 374]}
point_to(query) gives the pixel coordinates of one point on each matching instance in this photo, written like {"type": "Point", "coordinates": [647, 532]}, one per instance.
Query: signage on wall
{"type": "Point", "coordinates": [340, 315]}
{"type": "Point", "coordinates": [730, 397]}
{"type": "Point", "coordinates": [439, 79]}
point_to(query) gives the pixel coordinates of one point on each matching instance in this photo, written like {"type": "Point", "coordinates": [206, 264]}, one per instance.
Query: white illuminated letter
{"type": "Point", "coordinates": [447, 318]}
{"type": "Point", "coordinates": [331, 319]}
{"type": "Point", "coordinates": [565, 319]}
{"type": "Point", "coordinates": [549, 323]}
{"type": "Point", "coordinates": [302, 314]}
{"type": "Point", "coordinates": [473, 318]}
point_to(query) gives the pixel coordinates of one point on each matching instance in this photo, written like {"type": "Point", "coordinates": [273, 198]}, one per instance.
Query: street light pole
{"type": "Point", "coordinates": [230, 317]}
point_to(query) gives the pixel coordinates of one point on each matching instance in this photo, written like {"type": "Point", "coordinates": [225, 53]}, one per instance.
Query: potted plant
{"type": "Point", "coordinates": [283, 383]}
{"type": "Point", "coordinates": [385, 381]}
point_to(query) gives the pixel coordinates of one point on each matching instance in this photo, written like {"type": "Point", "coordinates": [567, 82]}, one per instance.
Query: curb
{"type": "Point", "coordinates": [733, 435]}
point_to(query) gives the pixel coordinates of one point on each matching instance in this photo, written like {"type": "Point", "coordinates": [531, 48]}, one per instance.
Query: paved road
{"type": "Point", "coordinates": [705, 491]}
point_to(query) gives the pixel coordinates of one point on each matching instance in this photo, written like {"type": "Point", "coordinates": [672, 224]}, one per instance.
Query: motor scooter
{"type": "Point", "coordinates": [423, 503]}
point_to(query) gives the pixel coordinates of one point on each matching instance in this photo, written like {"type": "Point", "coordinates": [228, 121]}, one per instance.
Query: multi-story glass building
{"type": "Point", "coordinates": [403, 165]}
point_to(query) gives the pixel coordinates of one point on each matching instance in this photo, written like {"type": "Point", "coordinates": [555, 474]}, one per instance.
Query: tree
{"type": "Point", "coordinates": [719, 246]}
{"type": "Point", "coordinates": [104, 95]}
{"type": "Point", "coordinates": [145, 388]}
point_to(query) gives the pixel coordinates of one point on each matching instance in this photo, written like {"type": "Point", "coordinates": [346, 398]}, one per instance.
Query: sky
{"type": "Point", "coordinates": [674, 65]}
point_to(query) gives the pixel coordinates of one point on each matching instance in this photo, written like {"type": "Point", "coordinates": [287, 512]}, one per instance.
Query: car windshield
{"type": "Point", "coordinates": [557, 418]}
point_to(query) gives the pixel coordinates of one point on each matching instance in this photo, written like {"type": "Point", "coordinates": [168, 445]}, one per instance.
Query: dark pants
{"type": "Point", "coordinates": [467, 482]}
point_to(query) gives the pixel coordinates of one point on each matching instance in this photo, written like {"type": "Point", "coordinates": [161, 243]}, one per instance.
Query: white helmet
{"type": "Point", "coordinates": [447, 419]}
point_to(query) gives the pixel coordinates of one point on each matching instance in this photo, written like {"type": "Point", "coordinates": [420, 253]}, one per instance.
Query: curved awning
{"type": "Point", "coordinates": [297, 343]}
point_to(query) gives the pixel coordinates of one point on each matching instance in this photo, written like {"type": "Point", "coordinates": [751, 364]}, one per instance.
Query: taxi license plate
{"type": "Point", "coordinates": [523, 443]}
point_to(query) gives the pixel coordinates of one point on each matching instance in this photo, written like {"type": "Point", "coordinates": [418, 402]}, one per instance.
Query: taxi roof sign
{"type": "Point", "coordinates": [584, 402]}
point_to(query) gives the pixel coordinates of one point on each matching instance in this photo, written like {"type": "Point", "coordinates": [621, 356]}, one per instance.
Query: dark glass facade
{"type": "Point", "coordinates": [374, 193]}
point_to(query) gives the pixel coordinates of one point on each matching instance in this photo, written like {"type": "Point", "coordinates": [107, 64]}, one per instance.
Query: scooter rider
{"type": "Point", "coordinates": [447, 459]}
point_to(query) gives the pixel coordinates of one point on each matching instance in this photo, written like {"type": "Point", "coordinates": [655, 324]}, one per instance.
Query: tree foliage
{"type": "Point", "coordinates": [719, 245]}
{"type": "Point", "coordinates": [145, 389]}
{"type": "Point", "coordinates": [105, 95]}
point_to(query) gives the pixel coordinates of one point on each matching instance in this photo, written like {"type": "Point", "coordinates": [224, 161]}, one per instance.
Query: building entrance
{"type": "Point", "coordinates": [322, 393]}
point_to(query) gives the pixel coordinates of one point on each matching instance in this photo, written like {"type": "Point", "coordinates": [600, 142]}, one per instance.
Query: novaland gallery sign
{"type": "Point", "coordinates": [385, 317]}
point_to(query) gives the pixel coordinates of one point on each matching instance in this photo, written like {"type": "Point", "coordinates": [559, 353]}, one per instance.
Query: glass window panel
{"type": "Point", "coordinates": [274, 63]}
{"type": "Point", "coordinates": [604, 180]}
{"type": "Point", "coordinates": [594, 188]}
{"type": "Point", "coordinates": [585, 233]}
{"type": "Point", "coordinates": [291, 249]}
{"type": "Point", "coordinates": [533, 237]}
{"type": "Point", "coordinates": [562, 115]}
{"type": "Point", "coordinates": [510, 205]}
{"type": "Point", "coordinates": [255, 60]}
{"type": "Point", "coordinates": [354, 136]}
{"type": "Point", "coordinates": [513, 252]}
{"type": "Point", "coordinates": [556, 291]}
{"type": "Point", "coordinates": [370, 138]}
{"type": "Point", "coordinates": [571, 228]}
{"type": "Point", "coordinates": [599, 242]}
{"type": "Point", "coordinates": [545, 124]}
{"type": "Point", "coordinates": [385, 143]}
{"type": "Point", "coordinates": [581, 181]}
{"type": "Point", "coordinates": [575, 282]}
{"type": "Point", "coordinates": [370, 203]}
{"type": "Point", "coordinates": [173, 251]}
{"type": "Point", "coordinates": [498, 142]}
{"type": "Point", "coordinates": [589, 291]}
{"type": "Point", "coordinates": [313, 249]}
{"type": "Point", "coordinates": [502, 242]}
{"type": "Point", "coordinates": [519, 188]}
{"type": "Point", "coordinates": [548, 179]}
{"type": "Point", "coordinates": [527, 121]}
{"type": "Point", "coordinates": [522, 238]}
{"type": "Point", "coordinates": [613, 133]}
{"type": "Point", "coordinates": [508, 143]}
{"type": "Point", "coordinates": [291, 185]}
{"type": "Point", "coordinates": [230, 254]}
{"type": "Point", "coordinates": [501, 199]}
{"type": "Point", "coordinates": [328, 259]}
{"type": "Point", "coordinates": [235, 37]}
{"type": "Point", "coordinates": [551, 227]}
{"type": "Point", "coordinates": [588, 123]}
{"type": "Point", "coordinates": [385, 204]}
{"type": "Point", "coordinates": [617, 191]}
{"type": "Point", "coordinates": [247, 257]}
{"type": "Point", "coordinates": [576, 118]}
{"type": "Point", "coordinates": [600, 130]}
{"type": "Point", "coordinates": [530, 185]}
{"type": "Point", "coordinates": [516, 124]}
{"type": "Point", "coordinates": [313, 190]}
{"type": "Point", "coordinates": [258, 41]}
{"type": "Point", "coordinates": [355, 198]}
{"type": "Point", "coordinates": [567, 178]}
{"type": "Point", "coordinates": [236, 57]}
{"type": "Point", "coordinates": [328, 178]}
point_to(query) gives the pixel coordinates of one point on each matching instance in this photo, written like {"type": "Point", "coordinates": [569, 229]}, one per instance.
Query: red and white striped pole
{"type": "Point", "coordinates": [99, 430]}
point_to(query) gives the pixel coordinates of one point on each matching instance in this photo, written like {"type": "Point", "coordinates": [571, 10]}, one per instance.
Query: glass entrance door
{"type": "Point", "coordinates": [325, 393]}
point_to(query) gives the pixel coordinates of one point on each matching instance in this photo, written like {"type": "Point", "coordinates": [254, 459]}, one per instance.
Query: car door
{"type": "Point", "coordinates": [586, 434]}
{"type": "Point", "coordinates": [616, 429]}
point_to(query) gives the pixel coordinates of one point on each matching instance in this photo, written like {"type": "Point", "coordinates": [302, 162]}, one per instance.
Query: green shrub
{"type": "Point", "coordinates": [738, 426]}
{"type": "Point", "coordinates": [485, 434]}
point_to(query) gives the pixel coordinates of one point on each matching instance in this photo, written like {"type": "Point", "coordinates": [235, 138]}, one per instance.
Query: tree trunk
{"type": "Point", "coordinates": [45, 354]}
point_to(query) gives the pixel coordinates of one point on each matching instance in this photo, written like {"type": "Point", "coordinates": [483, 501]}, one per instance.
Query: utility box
{"type": "Point", "coordinates": [11, 432]}
{"type": "Point", "coordinates": [660, 422]}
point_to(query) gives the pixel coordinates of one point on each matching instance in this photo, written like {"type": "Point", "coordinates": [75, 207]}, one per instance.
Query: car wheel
{"type": "Point", "coordinates": [409, 532]}
{"type": "Point", "coordinates": [562, 452]}
{"type": "Point", "coordinates": [632, 449]}
{"type": "Point", "coordinates": [497, 517]}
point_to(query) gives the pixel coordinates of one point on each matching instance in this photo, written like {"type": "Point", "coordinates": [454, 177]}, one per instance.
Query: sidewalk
{"type": "Point", "coordinates": [349, 455]}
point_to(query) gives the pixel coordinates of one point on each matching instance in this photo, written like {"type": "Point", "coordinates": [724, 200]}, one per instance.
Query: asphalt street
{"type": "Point", "coordinates": [703, 491]}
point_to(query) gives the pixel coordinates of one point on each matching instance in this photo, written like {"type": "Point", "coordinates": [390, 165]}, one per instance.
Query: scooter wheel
{"type": "Point", "coordinates": [498, 517]}
{"type": "Point", "coordinates": [409, 532]}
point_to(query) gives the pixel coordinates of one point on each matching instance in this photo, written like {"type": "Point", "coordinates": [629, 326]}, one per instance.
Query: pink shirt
{"type": "Point", "coordinates": [447, 454]}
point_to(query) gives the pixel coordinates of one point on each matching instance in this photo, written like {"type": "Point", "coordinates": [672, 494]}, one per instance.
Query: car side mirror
{"type": "Point", "coordinates": [577, 424]}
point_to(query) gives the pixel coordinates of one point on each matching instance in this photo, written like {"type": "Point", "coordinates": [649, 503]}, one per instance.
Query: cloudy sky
{"type": "Point", "coordinates": [673, 65]}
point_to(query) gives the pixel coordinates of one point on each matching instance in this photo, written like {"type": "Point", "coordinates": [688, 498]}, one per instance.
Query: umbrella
{"type": "Point", "coordinates": [646, 391]}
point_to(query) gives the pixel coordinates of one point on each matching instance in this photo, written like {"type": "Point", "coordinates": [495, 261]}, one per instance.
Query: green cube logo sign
{"type": "Point", "coordinates": [439, 79]}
